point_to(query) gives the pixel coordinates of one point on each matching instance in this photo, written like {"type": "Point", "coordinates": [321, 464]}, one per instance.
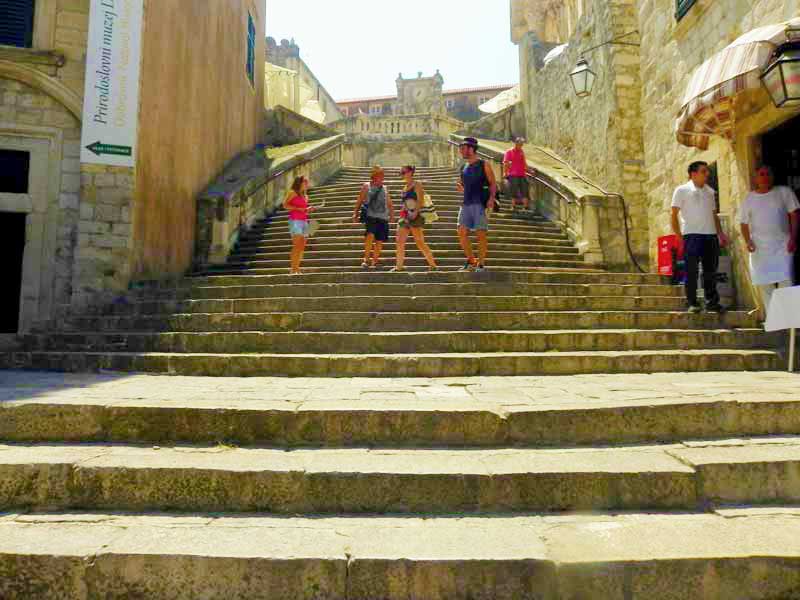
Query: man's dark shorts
{"type": "Point", "coordinates": [379, 228]}
{"type": "Point", "coordinates": [518, 187]}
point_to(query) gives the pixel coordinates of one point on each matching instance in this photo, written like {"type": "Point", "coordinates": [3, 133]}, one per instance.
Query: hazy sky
{"type": "Point", "coordinates": [356, 48]}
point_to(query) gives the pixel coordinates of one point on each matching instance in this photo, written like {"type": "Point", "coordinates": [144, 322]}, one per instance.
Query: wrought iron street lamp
{"type": "Point", "coordinates": [782, 77]}
{"type": "Point", "coordinates": [582, 76]}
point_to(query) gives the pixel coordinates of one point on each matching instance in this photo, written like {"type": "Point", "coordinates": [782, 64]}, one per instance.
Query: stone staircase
{"type": "Point", "coordinates": [548, 488]}
{"type": "Point", "coordinates": [538, 310]}
{"type": "Point", "coordinates": [410, 483]}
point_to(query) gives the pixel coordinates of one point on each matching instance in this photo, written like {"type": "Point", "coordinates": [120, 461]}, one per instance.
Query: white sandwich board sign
{"type": "Point", "coordinates": [111, 98]}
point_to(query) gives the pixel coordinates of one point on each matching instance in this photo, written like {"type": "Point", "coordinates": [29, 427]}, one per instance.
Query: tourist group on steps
{"type": "Point", "coordinates": [769, 220]}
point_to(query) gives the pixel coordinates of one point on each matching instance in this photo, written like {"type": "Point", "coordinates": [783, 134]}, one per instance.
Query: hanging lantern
{"type": "Point", "coordinates": [782, 77]}
{"type": "Point", "coordinates": [582, 78]}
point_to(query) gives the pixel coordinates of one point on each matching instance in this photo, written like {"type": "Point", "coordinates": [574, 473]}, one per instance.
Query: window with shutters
{"type": "Point", "coordinates": [16, 23]}
{"type": "Point", "coordinates": [682, 7]}
{"type": "Point", "coordinates": [251, 50]}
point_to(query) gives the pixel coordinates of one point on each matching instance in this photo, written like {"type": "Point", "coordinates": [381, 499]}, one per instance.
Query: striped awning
{"type": "Point", "coordinates": [708, 104]}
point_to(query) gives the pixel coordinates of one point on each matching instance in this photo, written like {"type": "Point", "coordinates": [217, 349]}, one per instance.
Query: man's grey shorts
{"type": "Point", "coordinates": [518, 187]}
{"type": "Point", "coordinates": [473, 217]}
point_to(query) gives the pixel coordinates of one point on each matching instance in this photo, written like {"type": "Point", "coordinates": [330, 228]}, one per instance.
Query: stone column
{"type": "Point", "coordinates": [589, 242]}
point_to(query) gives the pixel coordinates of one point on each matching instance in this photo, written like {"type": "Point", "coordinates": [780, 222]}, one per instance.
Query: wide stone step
{"type": "Point", "coordinates": [477, 412]}
{"type": "Point", "coordinates": [345, 270]}
{"type": "Point", "coordinates": [345, 226]}
{"type": "Point", "coordinates": [445, 243]}
{"type": "Point", "coordinates": [432, 481]}
{"type": "Point", "coordinates": [149, 300]}
{"type": "Point", "coordinates": [415, 278]}
{"type": "Point", "coordinates": [464, 319]}
{"type": "Point", "coordinates": [733, 554]}
{"type": "Point", "coordinates": [331, 234]}
{"type": "Point", "coordinates": [416, 303]}
{"type": "Point", "coordinates": [446, 259]}
{"type": "Point", "coordinates": [447, 213]}
{"type": "Point", "coordinates": [399, 365]}
{"type": "Point", "coordinates": [439, 342]}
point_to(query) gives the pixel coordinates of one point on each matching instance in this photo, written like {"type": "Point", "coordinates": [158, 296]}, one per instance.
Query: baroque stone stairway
{"type": "Point", "coordinates": [625, 486]}
{"type": "Point", "coordinates": [538, 310]}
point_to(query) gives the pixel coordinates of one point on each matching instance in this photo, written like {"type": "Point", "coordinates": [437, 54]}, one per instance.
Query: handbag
{"type": "Point", "coordinates": [428, 210]}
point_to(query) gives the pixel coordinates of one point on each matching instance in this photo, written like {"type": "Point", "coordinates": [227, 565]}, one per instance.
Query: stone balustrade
{"type": "Point", "coordinates": [395, 127]}
{"type": "Point", "coordinates": [254, 186]}
{"type": "Point", "coordinates": [586, 214]}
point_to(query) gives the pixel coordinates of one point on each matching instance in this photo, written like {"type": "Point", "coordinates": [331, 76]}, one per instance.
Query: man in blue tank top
{"type": "Point", "coordinates": [479, 186]}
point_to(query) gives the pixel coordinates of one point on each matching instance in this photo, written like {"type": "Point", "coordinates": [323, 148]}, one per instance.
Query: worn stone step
{"type": "Point", "coordinates": [497, 276]}
{"type": "Point", "coordinates": [370, 321]}
{"type": "Point", "coordinates": [443, 256]}
{"type": "Point", "coordinates": [416, 259]}
{"type": "Point", "coordinates": [394, 365]}
{"type": "Point", "coordinates": [439, 342]}
{"type": "Point", "coordinates": [443, 243]}
{"type": "Point", "coordinates": [149, 297]}
{"type": "Point", "coordinates": [326, 235]}
{"type": "Point", "coordinates": [477, 412]}
{"type": "Point", "coordinates": [447, 214]}
{"type": "Point", "coordinates": [433, 481]}
{"type": "Point", "coordinates": [416, 303]}
{"type": "Point", "coordinates": [345, 226]}
{"type": "Point", "coordinates": [749, 553]}
{"type": "Point", "coordinates": [233, 270]}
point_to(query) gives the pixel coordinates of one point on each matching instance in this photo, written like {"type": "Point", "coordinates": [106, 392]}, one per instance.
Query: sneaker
{"type": "Point", "coordinates": [480, 268]}
{"type": "Point", "coordinates": [468, 266]}
{"type": "Point", "coordinates": [715, 308]}
{"type": "Point", "coordinates": [695, 309]}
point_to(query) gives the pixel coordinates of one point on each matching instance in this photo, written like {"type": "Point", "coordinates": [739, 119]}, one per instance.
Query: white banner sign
{"type": "Point", "coordinates": [111, 100]}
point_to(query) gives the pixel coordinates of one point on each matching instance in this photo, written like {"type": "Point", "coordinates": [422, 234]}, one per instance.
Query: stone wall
{"type": "Point", "coordinates": [104, 240]}
{"type": "Point", "coordinates": [283, 127]}
{"type": "Point", "coordinates": [395, 154]}
{"type": "Point", "coordinates": [599, 136]}
{"type": "Point", "coordinates": [254, 186]}
{"type": "Point", "coordinates": [504, 125]}
{"type": "Point", "coordinates": [671, 51]}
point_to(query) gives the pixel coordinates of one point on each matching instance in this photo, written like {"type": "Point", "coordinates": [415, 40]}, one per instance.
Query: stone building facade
{"type": "Point", "coordinates": [461, 104]}
{"type": "Point", "coordinates": [623, 136]}
{"type": "Point", "coordinates": [92, 229]}
{"type": "Point", "coordinates": [291, 83]}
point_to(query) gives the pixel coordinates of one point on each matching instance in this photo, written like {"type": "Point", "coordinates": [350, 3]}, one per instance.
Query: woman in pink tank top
{"type": "Point", "coordinates": [297, 204]}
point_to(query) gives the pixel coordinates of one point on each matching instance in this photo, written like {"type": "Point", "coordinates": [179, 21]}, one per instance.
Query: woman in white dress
{"type": "Point", "coordinates": [769, 220]}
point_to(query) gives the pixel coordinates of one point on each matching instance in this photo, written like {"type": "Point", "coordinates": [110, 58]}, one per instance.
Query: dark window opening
{"type": "Point", "coordinates": [682, 7]}
{"type": "Point", "coordinates": [15, 167]}
{"type": "Point", "coordinates": [251, 50]}
{"type": "Point", "coordinates": [12, 249]}
{"type": "Point", "coordinates": [780, 149]}
{"type": "Point", "coordinates": [16, 23]}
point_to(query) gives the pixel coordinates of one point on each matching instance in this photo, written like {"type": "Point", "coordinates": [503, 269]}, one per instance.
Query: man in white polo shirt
{"type": "Point", "coordinates": [696, 223]}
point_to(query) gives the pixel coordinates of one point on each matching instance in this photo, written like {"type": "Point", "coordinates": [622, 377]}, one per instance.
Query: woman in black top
{"type": "Point", "coordinates": [411, 220]}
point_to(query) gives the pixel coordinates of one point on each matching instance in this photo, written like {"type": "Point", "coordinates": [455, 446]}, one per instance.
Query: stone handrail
{"type": "Point", "coordinates": [252, 187]}
{"type": "Point", "coordinates": [398, 126]}
{"type": "Point", "coordinates": [558, 196]}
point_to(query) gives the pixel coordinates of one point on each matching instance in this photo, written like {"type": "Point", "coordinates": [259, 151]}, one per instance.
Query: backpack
{"type": "Point", "coordinates": [377, 201]}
